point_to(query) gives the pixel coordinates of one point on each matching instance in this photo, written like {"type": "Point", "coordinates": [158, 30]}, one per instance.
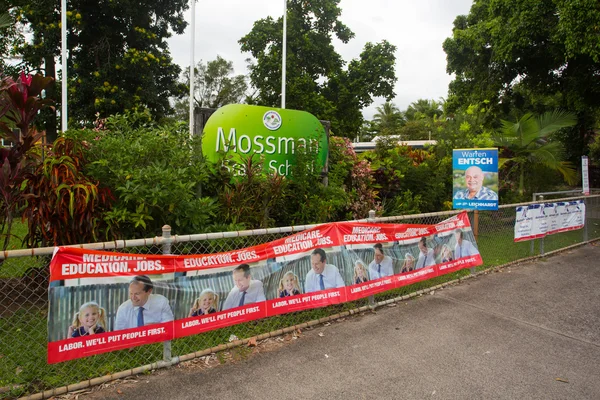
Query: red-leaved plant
{"type": "Point", "coordinates": [63, 205]}
{"type": "Point", "coordinates": [19, 104]}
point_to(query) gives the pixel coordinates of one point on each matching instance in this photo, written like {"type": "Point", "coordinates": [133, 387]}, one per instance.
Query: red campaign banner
{"type": "Point", "coordinates": [204, 323]}
{"type": "Point", "coordinates": [322, 298]}
{"type": "Point", "coordinates": [370, 288]}
{"type": "Point", "coordinates": [75, 263]}
{"type": "Point", "coordinates": [408, 278]}
{"type": "Point", "coordinates": [458, 221]}
{"type": "Point", "coordinates": [347, 245]}
{"type": "Point", "coordinates": [219, 260]}
{"type": "Point", "coordinates": [366, 233]}
{"type": "Point", "coordinates": [456, 265]}
{"type": "Point", "coordinates": [70, 349]}
{"type": "Point", "coordinates": [322, 236]}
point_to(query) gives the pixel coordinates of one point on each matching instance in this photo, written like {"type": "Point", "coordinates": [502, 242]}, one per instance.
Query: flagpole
{"type": "Point", "coordinates": [283, 60]}
{"type": "Point", "coordinates": [193, 32]}
{"type": "Point", "coordinates": [63, 50]}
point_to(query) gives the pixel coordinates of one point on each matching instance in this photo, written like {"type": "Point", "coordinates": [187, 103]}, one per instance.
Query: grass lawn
{"type": "Point", "coordinates": [18, 232]}
{"type": "Point", "coordinates": [17, 267]}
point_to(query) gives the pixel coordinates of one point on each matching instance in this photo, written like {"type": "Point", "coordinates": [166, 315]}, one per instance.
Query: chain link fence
{"type": "Point", "coordinates": [24, 277]}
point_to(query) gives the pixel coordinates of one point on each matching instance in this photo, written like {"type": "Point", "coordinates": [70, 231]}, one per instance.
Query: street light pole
{"type": "Point", "coordinates": [193, 31]}
{"type": "Point", "coordinates": [284, 54]}
{"type": "Point", "coordinates": [63, 50]}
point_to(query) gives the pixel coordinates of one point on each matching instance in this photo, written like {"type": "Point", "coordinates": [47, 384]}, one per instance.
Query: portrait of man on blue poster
{"type": "Point", "coordinates": [475, 179]}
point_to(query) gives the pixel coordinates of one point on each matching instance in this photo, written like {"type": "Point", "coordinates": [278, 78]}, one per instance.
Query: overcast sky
{"type": "Point", "coordinates": [416, 28]}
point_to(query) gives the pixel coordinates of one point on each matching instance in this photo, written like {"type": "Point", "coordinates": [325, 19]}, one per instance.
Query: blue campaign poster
{"type": "Point", "coordinates": [475, 179]}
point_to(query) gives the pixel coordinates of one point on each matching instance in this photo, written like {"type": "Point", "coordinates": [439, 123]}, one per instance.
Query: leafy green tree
{"type": "Point", "coordinates": [463, 130]}
{"type": "Point", "coordinates": [316, 80]}
{"type": "Point", "coordinates": [154, 171]}
{"type": "Point", "coordinates": [423, 109]}
{"type": "Point", "coordinates": [39, 50]}
{"type": "Point", "coordinates": [518, 53]}
{"type": "Point", "coordinates": [419, 129]}
{"type": "Point", "coordinates": [410, 180]}
{"type": "Point", "coordinates": [118, 54]}
{"type": "Point", "coordinates": [388, 119]}
{"type": "Point", "coordinates": [214, 86]}
{"type": "Point", "coordinates": [8, 36]}
{"type": "Point", "coordinates": [527, 143]}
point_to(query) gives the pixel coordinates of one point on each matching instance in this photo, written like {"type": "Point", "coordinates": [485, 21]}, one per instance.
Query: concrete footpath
{"type": "Point", "coordinates": [530, 331]}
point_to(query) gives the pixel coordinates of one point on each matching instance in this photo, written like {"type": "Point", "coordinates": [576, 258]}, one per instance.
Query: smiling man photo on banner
{"type": "Point", "coordinates": [382, 265]}
{"type": "Point", "coordinates": [245, 290]}
{"type": "Point", "coordinates": [475, 179]}
{"type": "Point", "coordinates": [143, 307]}
{"type": "Point", "coordinates": [322, 276]}
{"type": "Point", "coordinates": [426, 256]}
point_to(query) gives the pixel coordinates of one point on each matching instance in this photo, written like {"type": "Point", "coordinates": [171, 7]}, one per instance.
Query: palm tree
{"type": "Point", "coordinates": [421, 109]}
{"type": "Point", "coordinates": [528, 144]}
{"type": "Point", "coordinates": [387, 119]}
{"type": "Point", "coordinates": [5, 20]}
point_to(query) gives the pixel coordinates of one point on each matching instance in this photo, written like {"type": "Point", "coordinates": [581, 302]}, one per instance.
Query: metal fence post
{"type": "Point", "coordinates": [532, 249]}
{"type": "Point", "coordinates": [475, 232]}
{"type": "Point", "coordinates": [542, 238]}
{"type": "Point", "coordinates": [585, 225]}
{"type": "Point", "coordinates": [166, 249]}
{"type": "Point", "coordinates": [371, 218]}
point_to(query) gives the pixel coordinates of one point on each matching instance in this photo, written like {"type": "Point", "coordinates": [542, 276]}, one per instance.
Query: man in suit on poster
{"type": "Point", "coordinates": [143, 307]}
{"type": "Point", "coordinates": [322, 276]}
{"type": "Point", "coordinates": [381, 265]}
{"type": "Point", "coordinates": [463, 247]}
{"type": "Point", "coordinates": [426, 256]}
{"type": "Point", "coordinates": [245, 290]}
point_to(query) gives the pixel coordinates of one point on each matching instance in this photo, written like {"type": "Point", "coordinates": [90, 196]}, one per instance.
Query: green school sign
{"type": "Point", "coordinates": [274, 133]}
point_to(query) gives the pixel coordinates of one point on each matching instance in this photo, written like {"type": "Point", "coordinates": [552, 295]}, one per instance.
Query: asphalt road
{"type": "Point", "coordinates": [531, 331]}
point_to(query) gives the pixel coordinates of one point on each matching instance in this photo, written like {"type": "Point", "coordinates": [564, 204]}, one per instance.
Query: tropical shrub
{"type": "Point", "coordinates": [154, 171]}
{"type": "Point", "coordinates": [527, 147]}
{"type": "Point", "coordinates": [63, 206]}
{"type": "Point", "coordinates": [311, 197]}
{"type": "Point", "coordinates": [411, 180]}
{"type": "Point", "coordinates": [251, 198]}
{"type": "Point", "coordinates": [354, 176]}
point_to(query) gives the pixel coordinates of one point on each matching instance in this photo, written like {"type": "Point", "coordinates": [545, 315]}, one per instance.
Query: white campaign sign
{"type": "Point", "coordinates": [585, 181]}
{"type": "Point", "coordinates": [538, 220]}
